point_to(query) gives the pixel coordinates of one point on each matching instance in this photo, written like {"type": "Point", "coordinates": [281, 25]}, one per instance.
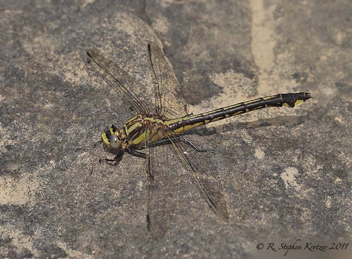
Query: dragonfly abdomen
{"type": "Point", "coordinates": [279, 100]}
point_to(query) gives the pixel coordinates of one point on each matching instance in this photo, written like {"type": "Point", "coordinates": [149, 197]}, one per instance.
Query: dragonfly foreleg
{"type": "Point", "coordinates": [96, 143]}
{"type": "Point", "coordinates": [113, 162]}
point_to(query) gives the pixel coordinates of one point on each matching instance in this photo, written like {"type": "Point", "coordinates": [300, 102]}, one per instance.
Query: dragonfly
{"type": "Point", "coordinates": [156, 132]}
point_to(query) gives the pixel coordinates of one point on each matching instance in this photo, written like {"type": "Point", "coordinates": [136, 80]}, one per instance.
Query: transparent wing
{"type": "Point", "coordinates": [166, 87]}
{"type": "Point", "coordinates": [204, 173]}
{"type": "Point", "coordinates": [134, 94]}
{"type": "Point", "coordinates": [162, 188]}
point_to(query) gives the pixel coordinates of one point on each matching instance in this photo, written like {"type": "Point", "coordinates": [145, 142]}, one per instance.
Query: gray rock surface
{"type": "Point", "coordinates": [286, 173]}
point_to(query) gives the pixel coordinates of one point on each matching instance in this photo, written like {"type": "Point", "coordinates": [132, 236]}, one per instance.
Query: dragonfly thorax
{"type": "Point", "coordinates": [135, 132]}
{"type": "Point", "coordinates": [143, 128]}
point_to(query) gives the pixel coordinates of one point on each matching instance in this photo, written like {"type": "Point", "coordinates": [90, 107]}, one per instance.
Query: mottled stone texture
{"type": "Point", "coordinates": [286, 173]}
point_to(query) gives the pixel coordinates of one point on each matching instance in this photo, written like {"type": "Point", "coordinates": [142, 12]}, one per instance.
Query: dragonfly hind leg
{"type": "Point", "coordinates": [189, 143]}
{"type": "Point", "coordinates": [177, 139]}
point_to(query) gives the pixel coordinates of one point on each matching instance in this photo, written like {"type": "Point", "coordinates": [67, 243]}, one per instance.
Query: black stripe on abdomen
{"type": "Point", "coordinates": [272, 101]}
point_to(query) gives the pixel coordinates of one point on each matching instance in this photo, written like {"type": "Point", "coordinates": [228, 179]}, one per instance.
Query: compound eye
{"type": "Point", "coordinates": [114, 129]}
{"type": "Point", "coordinates": [107, 132]}
{"type": "Point", "coordinates": [115, 142]}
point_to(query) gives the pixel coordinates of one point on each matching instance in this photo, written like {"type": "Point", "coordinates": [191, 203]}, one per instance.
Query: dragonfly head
{"type": "Point", "coordinates": [111, 138]}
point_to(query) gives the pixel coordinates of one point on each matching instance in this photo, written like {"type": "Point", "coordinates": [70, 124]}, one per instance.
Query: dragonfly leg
{"type": "Point", "coordinates": [114, 161]}
{"type": "Point", "coordinates": [136, 153]}
{"type": "Point", "coordinates": [194, 146]}
{"type": "Point", "coordinates": [96, 143]}
{"type": "Point", "coordinates": [186, 141]}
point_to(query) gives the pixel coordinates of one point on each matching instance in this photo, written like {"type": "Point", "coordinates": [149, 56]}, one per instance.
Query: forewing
{"type": "Point", "coordinates": [166, 99]}
{"type": "Point", "coordinates": [133, 93]}
{"type": "Point", "coordinates": [162, 170]}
